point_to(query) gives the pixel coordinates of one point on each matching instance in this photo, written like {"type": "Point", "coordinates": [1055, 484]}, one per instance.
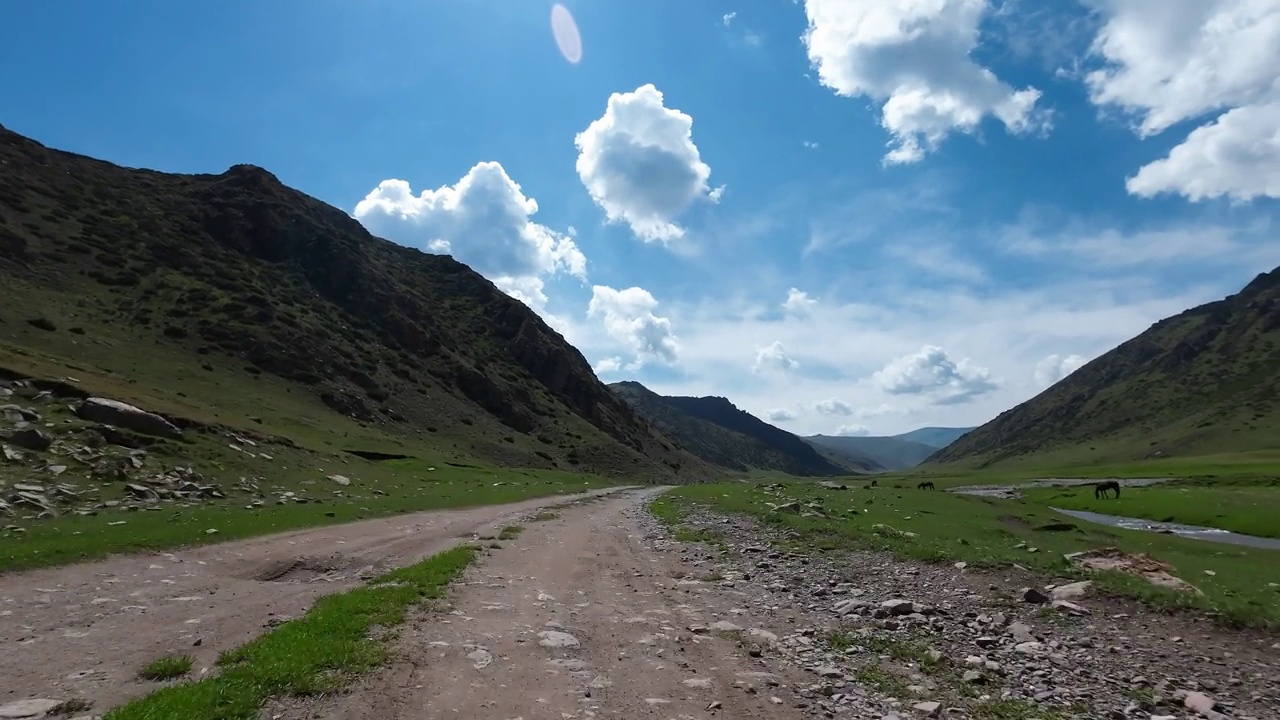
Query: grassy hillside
{"type": "Point", "coordinates": [233, 300]}
{"type": "Point", "coordinates": [935, 437]}
{"type": "Point", "coordinates": [716, 431]}
{"type": "Point", "coordinates": [1204, 382]}
{"type": "Point", "coordinates": [890, 453]}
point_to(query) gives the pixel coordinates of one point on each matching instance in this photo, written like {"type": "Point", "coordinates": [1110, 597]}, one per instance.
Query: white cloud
{"type": "Point", "coordinates": [1168, 61]}
{"type": "Point", "coordinates": [798, 302]}
{"type": "Point", "coordinates": [728, 18]}
{"type": "Point", "coordinates": [484, 221]}
{"type": "Point", "coordinates": [628, 318]}
{"type": "Point", "coordinates": [773, 357]}
{"type": "Point", "coordinates": [640, 165]}
{"type": "Point", "coordinates": [865, 322]}
{"type": "Point", "coordinates": [831, 406]}
{"type": "Point", "coordinates": [853, 431]}
{"type": "Point", "coordinates": [811, 144]}
{"type": "Point", "coordinates": [1237, 155]}
{"type": "Point", "coordinates": [915, 57]}
{"type": "Point", "coordinates": [608, 365]}
{"type": "Point", "coordinates": [933, 373]}
{"type": "Point", "coordinates": [1062, 241]}
{"type": "Point", "coordinates": [780, 415]}
{"type": "Point", "coordinates": [1055, 367]}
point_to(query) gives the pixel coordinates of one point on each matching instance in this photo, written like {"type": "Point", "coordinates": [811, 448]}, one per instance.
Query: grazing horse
{"type": "Point", "coordinates": [926, 485]}
{"type": "Point", "coordinates": [1100, 489]}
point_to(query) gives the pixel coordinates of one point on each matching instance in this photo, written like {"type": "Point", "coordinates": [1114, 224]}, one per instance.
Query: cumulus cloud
{"type": "Point", "coordinates": [640, 165]}
{"type": "Point", "coordinates": [932, 373]}
{"type": "Point", "coordinates": [773, 357]}
{"type": "Point", "coordinates": [853, 431]}
{"type": "Point", "coordinates": [798, 302]}
{"type": "Point", "coordinates": [831, 406]}
{"type": "Point", "coordinates": [484, 221]}
{"type": "Point", "coordinates": [780, 415]}
{"type": "Point", "coordinates": [728, 18]}
{"type": "Point", "coordinates": [628, 318]}
{"type": "Point", "coordinates": [1169, 61]}
{"type": "Point", "coordinates": [608, 365]}
{"type": "Point", "coordinates": [1237, 155]}
{"type": "Point", "coordinates": [915, 58]}
{"type": "Point", "coordinates": [1055, 367]}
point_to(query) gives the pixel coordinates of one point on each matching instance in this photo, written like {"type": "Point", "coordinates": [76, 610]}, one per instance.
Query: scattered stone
{"type": "Point", "coordinates": [1033, 595]}
{"type": "Point", "coordinates": [1199, 702]}
{"type": "Point", "coordinates": [30, 439]}
{"type": "Point", "coordinates": [898, 607]}
{"type": "Point", "coordinates": [1071, 591]}
{"type": "Point", "coordinates": [557, 639]}
{"type": "Point", "coordinates": [927, 709]}
{"type": "Point", "coordinates": [33, 709]}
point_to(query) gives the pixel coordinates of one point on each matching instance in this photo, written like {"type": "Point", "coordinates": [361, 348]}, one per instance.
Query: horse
{"type": "Point", "coordinates": [926, 485]}
{"type": "Point", "coordinates": [1100, 489]}
{"type": "Point", "coordinates": [873, 483]}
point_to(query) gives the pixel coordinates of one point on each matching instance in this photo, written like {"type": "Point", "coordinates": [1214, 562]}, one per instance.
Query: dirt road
{"type": "Point", "coordinates": [85, 630]}
{"type": "Point", "coordinates": [578, 618]}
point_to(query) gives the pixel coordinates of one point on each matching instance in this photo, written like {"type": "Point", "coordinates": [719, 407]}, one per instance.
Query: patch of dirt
{"type": "Point", "coordinates": [1014, 521]}
{"type": "Point", "coordinates": [1140, 564]}
{"type": "Point", "coordinates": [83, 631]}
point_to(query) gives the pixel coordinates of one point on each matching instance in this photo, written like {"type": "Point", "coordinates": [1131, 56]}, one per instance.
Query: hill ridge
{"type": "Point", "coordinates": [238, 269]}
{"type": "Point", "coordinates": [721, 433]}
{"type": "Point", "coordinates": [1199, 382]}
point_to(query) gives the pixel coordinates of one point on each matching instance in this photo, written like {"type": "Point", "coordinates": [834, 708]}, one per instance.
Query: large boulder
{"type": "Point", "coordinates": [124, 415]}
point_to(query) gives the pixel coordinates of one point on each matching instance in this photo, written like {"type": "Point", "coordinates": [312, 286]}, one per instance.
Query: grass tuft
{"type": "Point", "coordinates": [320, 652]}
{"type": "Point", "coordinates": [167, 668]}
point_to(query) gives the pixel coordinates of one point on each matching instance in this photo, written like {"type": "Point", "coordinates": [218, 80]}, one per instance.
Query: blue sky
{"type": "Point", "coordinates": [847, 216]}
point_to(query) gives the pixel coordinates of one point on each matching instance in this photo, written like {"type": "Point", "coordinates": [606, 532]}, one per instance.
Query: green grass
{"type": "Point", "coordinates": [986, 532]}
{"type": "Point", "coordinates": [167, 668]}
{"type": "Point", "coordinates": [510, 532]}
{"type": "Point", "coordinates": [1260, 466]}
{"type": "Point", "coordinates": [320, 652]}
{"type": "Point", "coordinates": [1248, 509]}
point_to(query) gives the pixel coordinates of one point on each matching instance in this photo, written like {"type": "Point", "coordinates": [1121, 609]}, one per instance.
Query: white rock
{"type": "Point", "coordinates": [557, 639]}
{"type": "Point", "coordinates": [28, 709]}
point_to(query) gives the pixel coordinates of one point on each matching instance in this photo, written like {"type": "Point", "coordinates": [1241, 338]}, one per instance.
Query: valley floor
{"type": "Point", "coordinates": [602, 611]}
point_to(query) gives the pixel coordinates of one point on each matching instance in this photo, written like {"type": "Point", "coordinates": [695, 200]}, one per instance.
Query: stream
{"type": "Point", "coordinates": [1195, 532]}
{"type": "Point", "coordinates": [1188, 531]}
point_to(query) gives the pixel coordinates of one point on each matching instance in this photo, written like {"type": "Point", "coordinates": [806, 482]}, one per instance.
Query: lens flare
{"type": "Point", "coordinates": [566, 33]}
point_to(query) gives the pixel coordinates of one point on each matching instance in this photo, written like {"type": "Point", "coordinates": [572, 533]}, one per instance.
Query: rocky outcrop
{"type": "Point", "coordinates": [124, 415]}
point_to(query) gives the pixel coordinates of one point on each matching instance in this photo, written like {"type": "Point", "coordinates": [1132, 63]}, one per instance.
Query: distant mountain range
{"type": "Point", "coordinates": [1205, 381]}
{"type": "Point", "coordinates": [892, 452]}
{"type": "Point", "coordinates": [714, 429]}
{"type": "Point", "coordinates": [720, 433]}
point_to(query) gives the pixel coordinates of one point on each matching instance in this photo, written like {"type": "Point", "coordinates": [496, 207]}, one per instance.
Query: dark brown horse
{"type": "Point", "coordinates": [926, 485]}
{"type": "Point", "coordinates": [1100, 489]}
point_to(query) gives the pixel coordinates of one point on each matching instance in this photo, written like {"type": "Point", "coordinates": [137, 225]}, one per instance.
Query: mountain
{"type": "Point", "coordinates": [713, 429]}
{"type": "Point", "coordinates": [935, 437]}
{"type": "Point", "coordinates": [889, 453]}
{"type": "Point", "coordinates": [232, 295]}
{"type": "Point", "coordinates": [1205, 381]}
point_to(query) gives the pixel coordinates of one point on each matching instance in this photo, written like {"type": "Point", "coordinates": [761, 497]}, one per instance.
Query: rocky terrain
{"type": "Point", "coordinates": [882, 637]}
{"type": "Point", "coordinates": [1204, 381]}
